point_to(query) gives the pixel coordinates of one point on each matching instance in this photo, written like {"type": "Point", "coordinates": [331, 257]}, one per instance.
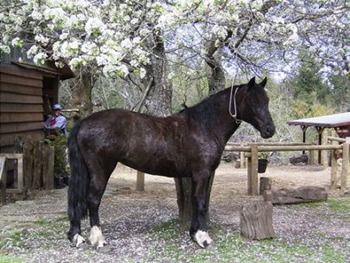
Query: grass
{"type": "Point", "coordinates": [336, 204]}
{"type": "Point", "coordinates": [230, 247]}
{"type": "Point", "coordinates": [171, 243]}
{"type": "Point", "coordinates": [41, 221]}
{"type": "Point", "coordinates": [340, 204]}
{"type": "Point", "coordinates": [9, 259]}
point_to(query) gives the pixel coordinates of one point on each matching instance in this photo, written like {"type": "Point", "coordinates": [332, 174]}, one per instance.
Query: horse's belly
{"type": "Point", "coordinates": [164, 168]}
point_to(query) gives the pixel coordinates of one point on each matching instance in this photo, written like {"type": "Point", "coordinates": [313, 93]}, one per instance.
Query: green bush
{"type": "Point", "coordinates": [61, 161]}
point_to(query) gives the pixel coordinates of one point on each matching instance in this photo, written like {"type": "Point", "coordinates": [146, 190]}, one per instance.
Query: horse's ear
{"type": "Point", "coordinates": [263, 83]}
{"type": "Point", "coordinates": [251, 83]}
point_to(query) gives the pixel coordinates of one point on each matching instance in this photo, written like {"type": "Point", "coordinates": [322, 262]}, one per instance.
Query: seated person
{"type": "Point", "coordinates": [55, 122]}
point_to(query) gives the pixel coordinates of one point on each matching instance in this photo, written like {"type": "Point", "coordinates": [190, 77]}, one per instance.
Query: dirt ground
{"type": "Point", "coordinates": [129, 217]}
{"type": "Point", "coordinates": [230, 180]}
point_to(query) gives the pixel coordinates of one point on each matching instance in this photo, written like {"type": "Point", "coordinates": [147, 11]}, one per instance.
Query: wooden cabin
{"type": "Point", "coordinates": [26, 93]}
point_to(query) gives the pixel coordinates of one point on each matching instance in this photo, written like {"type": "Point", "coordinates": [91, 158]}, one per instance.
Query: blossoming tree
{"type": "Point", "coordinates": [115, 38]}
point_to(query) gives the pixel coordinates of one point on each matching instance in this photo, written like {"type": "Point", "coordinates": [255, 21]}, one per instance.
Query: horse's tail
{"type": "Point", "coordinates": [79, 179]}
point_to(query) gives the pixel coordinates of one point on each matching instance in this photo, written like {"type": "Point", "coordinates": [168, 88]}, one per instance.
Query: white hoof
{"type": "Point", "coordinates": [202, 238]}
{"type": "Point", "coordinates": [78, 240]}
{"type": "Point", "coordinates": [96, 238]}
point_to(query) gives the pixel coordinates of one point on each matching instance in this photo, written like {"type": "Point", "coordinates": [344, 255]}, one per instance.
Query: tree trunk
{"type": "Point", "coordinates": [81, 88]}
{"type": "Point", "coordinates": [158, 101]}
{"type": "Point", "coordinates": [216, 82]}
{"type": "Point", "coordinates": [303, 194]}
{"type": "Point", "coordinates": [184, 198]}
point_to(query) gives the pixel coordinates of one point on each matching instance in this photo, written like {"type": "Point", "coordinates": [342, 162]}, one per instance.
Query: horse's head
{"type": "Point", "coordinates": [255, 108]}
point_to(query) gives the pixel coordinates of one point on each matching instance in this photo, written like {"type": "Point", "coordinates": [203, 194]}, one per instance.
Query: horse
{"type": "Point", "coordinates": [186, 144]}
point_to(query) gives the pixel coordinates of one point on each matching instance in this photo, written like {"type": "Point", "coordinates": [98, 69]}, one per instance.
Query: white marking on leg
{"type": "Point", "coordinates": [96, 238]}
{"type": "Point", "coordinates": [78, 240]}
{"type": "Point", "coordinates": [202, 238]}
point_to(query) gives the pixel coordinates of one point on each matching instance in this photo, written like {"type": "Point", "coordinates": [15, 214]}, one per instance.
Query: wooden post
{"type": "Point", "coordinates": [48, 160]}
{"type": "Point", "coordinates": [242, 158]}
{"type": "Point", "coordinates": [36, 183]}
{"type": "Point", "coordinates": [311, 157]}
{"type": "Point", "coordinates": [334, 168]}
{"type": "Point", "coordinates": [28, 164]}
{"type": "Point", "coordinates": [345, 165]}
{"type": "Point", "coordinates": [20, 185]}
{"type": "Point", "coordinates": [324, 159]}
{"type": "Point", "coordinates": [140, 181]}
{"type": "Point", "coordinates": [256, 221]}
{"type": "Point", "coordinates": [3, 179]}
{"type": "Point", "coordinates": [265, 184]}
{"type": "Point", "coordinates": [253, 171]}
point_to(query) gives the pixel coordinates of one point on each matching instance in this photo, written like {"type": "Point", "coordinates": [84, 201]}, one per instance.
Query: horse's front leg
{"type": "Point", "coordinates": [200, 203]}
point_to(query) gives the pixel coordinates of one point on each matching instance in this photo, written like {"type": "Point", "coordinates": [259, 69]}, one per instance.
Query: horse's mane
{"type": "Point", "coordinates": [205, 111]}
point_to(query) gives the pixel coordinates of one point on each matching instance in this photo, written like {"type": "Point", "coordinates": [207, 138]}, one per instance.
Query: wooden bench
{"type": "Point", "coordinates": [19, 190]}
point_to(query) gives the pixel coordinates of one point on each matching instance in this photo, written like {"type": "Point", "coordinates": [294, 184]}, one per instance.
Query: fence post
{"type": "Point", "coordinates": [140, 181]}
{"type": "Point", "coordinates": [242, 158]}
{"type": "Point", "coordinates": [345, 165]}
{"type": "Point", "coordinates": [253, 180]}
{"type": "Point", "coordinates": [334, 164]}
{"type": "Point", "coordinates": [324, 138]}
{"type": "Point", "coordinates": [334, 169]}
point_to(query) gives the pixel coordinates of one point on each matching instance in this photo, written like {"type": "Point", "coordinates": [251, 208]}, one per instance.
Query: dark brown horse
{"type": "Point", "coordinates": [186, 144]}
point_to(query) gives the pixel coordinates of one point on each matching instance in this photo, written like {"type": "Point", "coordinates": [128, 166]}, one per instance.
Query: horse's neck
{"type": "Point", "coordinates": [220, 122]}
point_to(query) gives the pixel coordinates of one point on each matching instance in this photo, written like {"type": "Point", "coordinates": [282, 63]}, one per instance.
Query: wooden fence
{"type": "Point", "coordinates": [251, 151]}
{"type": "Point", "coordinates": [32, 169]}
{"type": "Point", "coordinates": [39, 165]}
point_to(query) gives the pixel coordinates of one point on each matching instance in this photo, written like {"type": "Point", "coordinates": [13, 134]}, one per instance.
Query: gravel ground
{"type": "Point", "coordinates": [141, 226]}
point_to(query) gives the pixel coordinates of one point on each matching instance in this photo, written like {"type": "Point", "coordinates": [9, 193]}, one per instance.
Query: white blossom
{"type": "Point", "coordinates": [94, 25]}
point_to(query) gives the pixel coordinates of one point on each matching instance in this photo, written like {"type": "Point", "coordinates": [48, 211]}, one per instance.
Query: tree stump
{"type": "Point", "coordinates": [256, 221]}
{"type": "Point", "coordinates": [299, 195]}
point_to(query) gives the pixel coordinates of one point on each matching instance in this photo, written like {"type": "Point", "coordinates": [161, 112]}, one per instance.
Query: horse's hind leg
{"type": "Point", "coordinates": [97, 187]}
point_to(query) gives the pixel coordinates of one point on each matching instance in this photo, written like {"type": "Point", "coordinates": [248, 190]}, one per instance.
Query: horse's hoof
{"type": "Point", "coordinates": [96, 238]}
{"type": "Point", "coordinates": [78, 240]}
{"type": "Point", "coordinates": [202, 239]}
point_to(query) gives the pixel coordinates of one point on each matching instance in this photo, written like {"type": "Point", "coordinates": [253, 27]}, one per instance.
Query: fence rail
{"type": "Point", "coordinates": [252, 151]}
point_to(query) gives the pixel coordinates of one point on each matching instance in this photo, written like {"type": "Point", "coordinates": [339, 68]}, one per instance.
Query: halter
{"type": "Point", "coordinates": [234, 115]}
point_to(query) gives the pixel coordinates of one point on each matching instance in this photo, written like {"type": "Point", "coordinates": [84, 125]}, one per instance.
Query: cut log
{"type": "Point", "coordinates": [301, 159]}
{"type": "Point", "coordinates": [256, 221]}
{"type": "Point", "coordinates": [299, 195]}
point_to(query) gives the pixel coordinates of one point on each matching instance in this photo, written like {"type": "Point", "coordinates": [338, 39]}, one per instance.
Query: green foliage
{"type": "Point", "coordinates": [312, 95]}
{"type": "Point", "coordinates": [61, 162]}
{"type": "Point", "coordinates": [303, 109]}
{"type": "Point", "coordinates": [341, 91]}
{"type": "Point", "coordinates": [264, 155]}
{"type": "Point", "coordinates": [308, 85]}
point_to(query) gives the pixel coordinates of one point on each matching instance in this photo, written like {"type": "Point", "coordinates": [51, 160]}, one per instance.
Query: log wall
{"type": "Point", "coordinates": [21, 106]}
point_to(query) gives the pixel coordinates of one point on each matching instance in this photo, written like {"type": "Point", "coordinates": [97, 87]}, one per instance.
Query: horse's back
{"type": "Point", "coordinates": [147, 143]}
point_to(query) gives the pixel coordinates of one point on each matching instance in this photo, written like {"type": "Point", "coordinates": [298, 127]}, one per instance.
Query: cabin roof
{"type": "Point", "coordinates": [327, 121]}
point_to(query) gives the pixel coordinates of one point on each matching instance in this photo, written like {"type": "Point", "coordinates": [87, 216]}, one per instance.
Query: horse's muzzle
{"type": "Point", "coordinates": [268, 131]}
